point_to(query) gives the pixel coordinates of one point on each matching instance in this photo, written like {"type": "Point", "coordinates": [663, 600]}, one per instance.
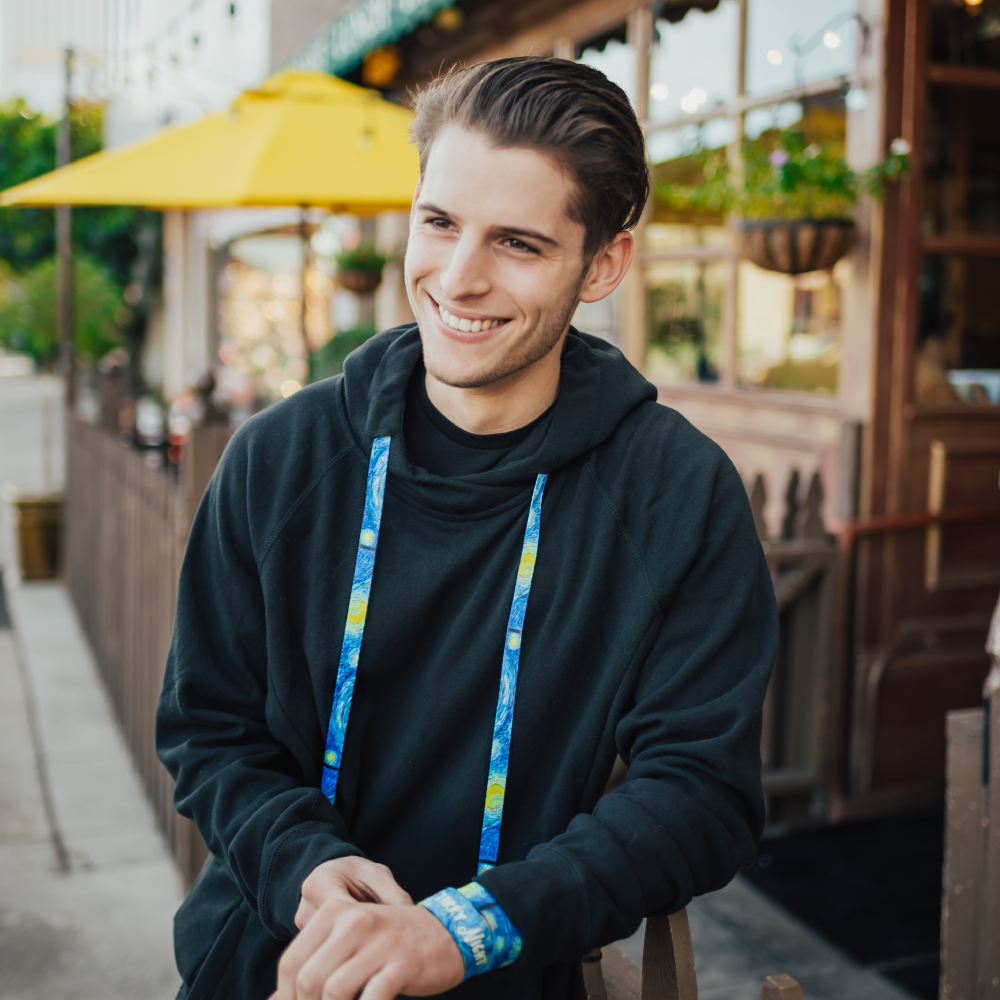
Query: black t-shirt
{"type": "Point", "coordinates": [434, 443]}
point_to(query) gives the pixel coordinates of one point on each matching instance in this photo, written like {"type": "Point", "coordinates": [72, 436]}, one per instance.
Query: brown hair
{"type": "Point", "coordinates": [568, 110]}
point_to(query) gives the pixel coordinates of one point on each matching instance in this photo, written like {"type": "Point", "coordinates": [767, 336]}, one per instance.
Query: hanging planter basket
{"type": "Point", "coordinates": [358, 281]}
{"type": "Point", "coordinates": [795, 246]}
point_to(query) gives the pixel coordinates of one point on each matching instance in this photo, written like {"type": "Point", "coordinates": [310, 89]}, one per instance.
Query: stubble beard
{"type": "Point", "coordinates": [542, 340]}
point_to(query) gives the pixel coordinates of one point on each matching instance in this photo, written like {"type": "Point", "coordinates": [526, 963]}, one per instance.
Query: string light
{"type": "Point", "coordinates": [659, 92]}
{"type": "Point", "coordinates": [831, 39]}
{"type": "Point", "coordinates": [774, 57]}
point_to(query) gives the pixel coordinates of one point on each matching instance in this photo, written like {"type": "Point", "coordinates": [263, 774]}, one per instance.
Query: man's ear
{"type": "Point", "coordinates": [608, 268]}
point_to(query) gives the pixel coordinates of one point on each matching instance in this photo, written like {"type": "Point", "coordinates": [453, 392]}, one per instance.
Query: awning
{"type": "Point", "coordinates": [366, 26]}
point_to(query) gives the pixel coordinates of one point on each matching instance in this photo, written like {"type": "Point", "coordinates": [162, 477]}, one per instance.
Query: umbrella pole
{"type": "Point", "coordinates": [64, 248]}
{"type": "Point", "coordinates": [304, 237]}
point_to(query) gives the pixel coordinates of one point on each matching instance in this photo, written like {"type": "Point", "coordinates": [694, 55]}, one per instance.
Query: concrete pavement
{"type": "Point", "coordinates": [87, 888]}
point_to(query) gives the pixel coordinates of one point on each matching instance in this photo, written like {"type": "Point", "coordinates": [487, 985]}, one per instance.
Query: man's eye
{"type": "Point", "coordinates": [440, 223]}
{"type": "Point", "coordinates": [516, 244]}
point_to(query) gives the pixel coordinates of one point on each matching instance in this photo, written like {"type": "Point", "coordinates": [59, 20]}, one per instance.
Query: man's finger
{"type": "Point", "coordinates": [349, 979]}
{"type": "Point", "coordinates": [378, 886]}
{"type": "Point", "coordinates": [323, 972]}
{"type": "Point", "coordinates": [386, 984]}
{"type": "Point", "coordinates": [302, 948]}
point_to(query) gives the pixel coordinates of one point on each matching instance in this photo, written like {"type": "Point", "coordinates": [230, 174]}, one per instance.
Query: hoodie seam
{"type": "Point", "coordinates": [619, 520]}
{"type": "Point", "coordinates": [298, 503]}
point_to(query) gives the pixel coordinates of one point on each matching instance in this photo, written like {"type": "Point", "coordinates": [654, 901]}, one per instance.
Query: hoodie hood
{"type": "Point", "coordinates": [597, 388]}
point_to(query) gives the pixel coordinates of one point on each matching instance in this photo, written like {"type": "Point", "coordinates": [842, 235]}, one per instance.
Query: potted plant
{"type": "Point", "coordinates": [795, 202]}
{"type": "Point", "coordinates": [359, 270]}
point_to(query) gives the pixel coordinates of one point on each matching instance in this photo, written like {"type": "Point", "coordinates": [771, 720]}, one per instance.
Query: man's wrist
{"type": "Point", "coordinates": [484, 934]}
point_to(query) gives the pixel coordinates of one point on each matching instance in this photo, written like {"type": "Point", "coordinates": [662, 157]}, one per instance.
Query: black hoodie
{"type": "Point", "coordinates": [650, 631]}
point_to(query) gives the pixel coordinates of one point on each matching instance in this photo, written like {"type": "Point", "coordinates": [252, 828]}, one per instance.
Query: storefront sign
{"type": "Point", "coordinates": [366, 26]}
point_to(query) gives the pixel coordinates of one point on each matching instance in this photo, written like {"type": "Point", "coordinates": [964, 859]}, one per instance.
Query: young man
{"type": "Point", "coordinates": [426, 603]}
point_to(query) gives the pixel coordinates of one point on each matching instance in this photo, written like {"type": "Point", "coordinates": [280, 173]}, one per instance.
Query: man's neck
{"type": "Point", "coordinates": [502, 406]}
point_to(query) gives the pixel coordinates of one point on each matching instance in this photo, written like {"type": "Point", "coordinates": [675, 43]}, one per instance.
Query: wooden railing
{"type": "Point", "coordinates": [126, 527]}
{"type": "Point", "coordinates": [798, 733]}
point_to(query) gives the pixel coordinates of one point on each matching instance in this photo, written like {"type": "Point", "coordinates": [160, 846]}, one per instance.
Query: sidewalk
{"type": "Point", "coordinates": [87, 889]}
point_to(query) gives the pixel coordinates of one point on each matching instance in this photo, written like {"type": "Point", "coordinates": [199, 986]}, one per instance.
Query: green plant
{"type": "Point", "coordinates": [28, 149]}
{"type": "Point", "coordinates": [29, 318]}
{"type": "Point", "coordinates": [329, 359]}
{"type": "Point", "coordinates": [784, 176]}
{"type": "Point", "coordinates": [363, 257]}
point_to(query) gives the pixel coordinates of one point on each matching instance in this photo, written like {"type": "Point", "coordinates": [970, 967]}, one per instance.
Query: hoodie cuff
{"type": "Point", "coordinates": [294, 858]}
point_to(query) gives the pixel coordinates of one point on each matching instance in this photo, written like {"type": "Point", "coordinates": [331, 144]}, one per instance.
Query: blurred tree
{"type": "Point", "coordinates": [119, 244]}
{"type": "Point", "coordinates": [27, 235]}
{"type": "Point", "coordinates": [28, 320]}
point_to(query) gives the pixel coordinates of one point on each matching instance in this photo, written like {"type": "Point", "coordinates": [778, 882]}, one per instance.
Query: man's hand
{"type": "Point", "coordinates": [369, 951]}
{"type": "Point", "coordinates": [348, 880]}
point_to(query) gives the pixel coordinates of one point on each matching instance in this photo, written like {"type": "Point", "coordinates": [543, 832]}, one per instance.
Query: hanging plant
{"type": "Point", "coordinates": [359, 270]}
{"type": "Point", "coordinates": [796, 200]}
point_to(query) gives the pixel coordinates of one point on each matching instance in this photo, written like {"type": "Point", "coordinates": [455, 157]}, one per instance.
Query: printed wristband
{"type": "Point", "coordinates": [484, 934]}
{"type": "Point", "coordinates": [506, 937]}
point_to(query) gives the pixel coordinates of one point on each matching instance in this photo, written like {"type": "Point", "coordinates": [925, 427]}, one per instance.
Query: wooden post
{"type": "Point", "coordinates": [970, 907]}
{"type": "Point", "coordinates": [668, 959]}
{"type": "Point", "coordinates": [729, 374]}
{"type": "Point", "coordinates": [640, 33]}
{"type": "Point", "coordinates": [990, 925]}
{"type": "Point", "coordinates": [64, 245]}
{"type": "Point", "coordinates": [963, 856]}
{"type": "Point", "coordinates": [304, 238]}
{"type": "Point", "coordinates": [781, 987]}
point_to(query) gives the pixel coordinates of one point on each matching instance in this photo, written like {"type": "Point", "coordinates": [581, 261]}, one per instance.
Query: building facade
{"type": "Point", "coordinates": [882, 373]}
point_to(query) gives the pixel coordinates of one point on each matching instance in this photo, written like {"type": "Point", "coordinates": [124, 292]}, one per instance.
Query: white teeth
{"type": "Point", "coordinates": [467, 325]}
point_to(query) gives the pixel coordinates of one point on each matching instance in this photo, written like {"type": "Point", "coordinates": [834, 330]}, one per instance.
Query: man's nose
{"type": "Point", "coordinates": [467, 273]}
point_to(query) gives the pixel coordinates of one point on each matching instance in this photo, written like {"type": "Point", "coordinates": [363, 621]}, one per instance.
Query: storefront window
{"type": "Point", "coordinates": [790, 43]}
{"type": "Point", "coordinates": [958, 337]}
{"type": "Point", "coordinates": [693, 62]}
{"type": "Point", "coordinates": [684, 312]}
{"type": "Point", "coordinates": [962, 153]}
{"type": "Point", "coordinates": [965, 34]}
{"type": "Point", "coordinates": [790, 328]}
{"type": "Point", "coordinates": [778, 331]}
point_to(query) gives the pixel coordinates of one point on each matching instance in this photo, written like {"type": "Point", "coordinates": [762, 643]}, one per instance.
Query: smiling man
{"type": "Point", "coordinates": [425, 604]}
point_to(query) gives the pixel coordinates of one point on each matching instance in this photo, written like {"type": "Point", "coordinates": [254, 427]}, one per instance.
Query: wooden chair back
{"type": "Point", "coordinates": [667, 968]}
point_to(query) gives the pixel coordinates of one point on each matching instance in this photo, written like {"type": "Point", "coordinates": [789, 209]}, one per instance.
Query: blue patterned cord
{"type": "Point", "coordinates": [496, 784]}
{"type": "Point", "coordinates": [357, 611]}
{"type": "Point", "coordinates": [485, 936]}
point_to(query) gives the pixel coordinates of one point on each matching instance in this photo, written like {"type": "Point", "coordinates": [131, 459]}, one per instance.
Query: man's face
{"type": "Point", "coordinates": [494, 264]}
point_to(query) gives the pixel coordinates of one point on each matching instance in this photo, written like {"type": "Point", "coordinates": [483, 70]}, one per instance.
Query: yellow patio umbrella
{"type": "Point", "coordinates": [301, 138]}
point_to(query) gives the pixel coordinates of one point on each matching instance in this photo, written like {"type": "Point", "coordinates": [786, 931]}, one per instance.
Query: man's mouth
{"type": "Point", "coordinates": [465, 324]}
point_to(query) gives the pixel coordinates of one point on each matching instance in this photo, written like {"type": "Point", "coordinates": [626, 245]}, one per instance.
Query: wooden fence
{"type": "Point", "coordinates": [126, 527]}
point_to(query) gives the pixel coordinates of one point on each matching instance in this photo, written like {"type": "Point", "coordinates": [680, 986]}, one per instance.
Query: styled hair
{"type": "Point", "coordinates": [566, 110]}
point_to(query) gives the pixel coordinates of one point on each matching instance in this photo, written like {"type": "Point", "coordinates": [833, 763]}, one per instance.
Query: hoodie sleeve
{"type": "Point", "coordinates": [689, 815]}
{"type": "Point", "coordinates": [243, 788]}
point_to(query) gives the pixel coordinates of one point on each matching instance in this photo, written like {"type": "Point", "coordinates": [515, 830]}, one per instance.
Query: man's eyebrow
{"type": "Point", "coordinates": [424, 206]}
{"type": "Point", "coordinates": [530, 234]}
